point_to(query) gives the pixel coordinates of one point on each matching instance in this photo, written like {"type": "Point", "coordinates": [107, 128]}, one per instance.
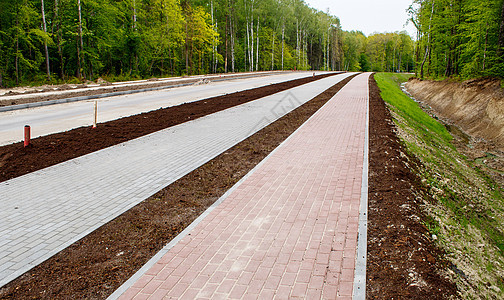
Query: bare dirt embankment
{"type": "Point", "coordinates": [473, 112]}
{"type": "Point", "coordinates": [476, 106]}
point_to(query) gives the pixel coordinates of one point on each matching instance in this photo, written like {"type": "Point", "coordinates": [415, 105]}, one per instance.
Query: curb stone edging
{"type": "Point", "coordinates": [359, 286]}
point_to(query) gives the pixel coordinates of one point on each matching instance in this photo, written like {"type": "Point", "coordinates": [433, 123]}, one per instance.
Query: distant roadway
{"type": "Point", "coordinates": [62, 117]}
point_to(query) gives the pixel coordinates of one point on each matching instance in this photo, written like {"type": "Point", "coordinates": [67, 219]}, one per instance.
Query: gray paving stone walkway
{"type": "Point", "coordinates": [45, 211]}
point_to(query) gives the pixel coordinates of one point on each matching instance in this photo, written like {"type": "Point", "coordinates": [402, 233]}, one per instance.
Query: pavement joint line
{"type": "Point", "coordinates": [359, 285]}
{"type": "Point", "coordinates": [129, 283]}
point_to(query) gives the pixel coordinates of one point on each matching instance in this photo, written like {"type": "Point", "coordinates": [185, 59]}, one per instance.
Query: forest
{"type": "Point", "coordinates": [55, 41]}
{"type": "Point", "coordinates": [459, 38]}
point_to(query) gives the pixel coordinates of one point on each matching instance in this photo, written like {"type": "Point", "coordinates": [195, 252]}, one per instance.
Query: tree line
{"type": "Point", "coordinates": [459, 38]}
{"type": "Point", "coordinates": [64, 40]}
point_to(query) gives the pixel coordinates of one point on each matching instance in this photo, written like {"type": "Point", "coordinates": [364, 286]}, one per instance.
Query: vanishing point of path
{"type": "Point", "coordinates": [289, 229]}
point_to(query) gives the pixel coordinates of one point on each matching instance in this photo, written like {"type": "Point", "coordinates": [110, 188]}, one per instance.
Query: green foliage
{"type": "Point", "coordinates": [400, 102]}
{"type": "Point", "coordinates": [390, 52]}
{"type": "Point", "coordinates": [145, 38]}
{"type": "Point", "coordinates": [459, 38]}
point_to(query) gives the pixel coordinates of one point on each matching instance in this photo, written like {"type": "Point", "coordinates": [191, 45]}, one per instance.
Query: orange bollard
{"type": "Point", "coordinates": [26, 135]}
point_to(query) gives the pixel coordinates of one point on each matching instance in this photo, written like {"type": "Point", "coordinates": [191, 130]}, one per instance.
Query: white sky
{"type": "Point", "coordinates": [368, 16]}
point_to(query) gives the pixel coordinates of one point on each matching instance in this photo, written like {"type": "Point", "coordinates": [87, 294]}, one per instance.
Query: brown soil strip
{"type": "Point", "coordinates": [15, 160]}
{"type": "Point", "coordinates": [402, 261]}
{"type": "Point", "coordinates": [98, 264]}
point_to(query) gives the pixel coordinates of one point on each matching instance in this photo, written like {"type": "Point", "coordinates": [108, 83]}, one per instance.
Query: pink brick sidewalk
{"type": "Point", "coordinates": [289, 230]}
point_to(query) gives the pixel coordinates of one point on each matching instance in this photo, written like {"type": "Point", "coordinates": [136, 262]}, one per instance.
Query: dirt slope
{"type": "Point", "coordinates": [476, 106]}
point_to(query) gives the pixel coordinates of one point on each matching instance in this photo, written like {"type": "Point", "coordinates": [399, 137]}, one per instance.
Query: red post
{"type": "Point", "coordinates": [26, 135]}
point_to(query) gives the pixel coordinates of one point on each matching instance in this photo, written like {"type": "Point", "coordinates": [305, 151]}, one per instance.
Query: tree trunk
{"type": "Point", "coordinates": [248, 46]}
{"type": "Point", "coordinates": [283, 44]}
{"type": "Point", "coordinates": [16, 60]}
{"type": "Point", "coordinates": [307, 63]}
{"type": "Point", "coordinates": [328, 44]}
{"type": "Point", "coordinates": [486, 48]}
{"type": "Point", "coordinates": [325, 51]}
{"type": "Point", "coordinates": [78, 59]}
{"type": "Point", "coordinates": [273, 51]}
{"type": "Point", "coordinates": [252, 44]}
{"type": "Point", "coordinates": [500, 48]}
{"type": "Point", "coordinates": [297, 42]}
{"type": "Point", "coordinates": [187, 50]}
{"type": "Point", "coordinates": [45, 42]}
{"type": "Point", "coordinates": [427, 50]}
{"type": "Point", "coordinates": [56, 22]}
{"type": "Point", "coordinates": [213, 44]}
{"type": "Point", "coordinates": [232, 33]}
{"type": "Point", "coordinates": [226, 43]}
{"type": "Point", "coordinates": [257, 47]}
{"type": "Point", "coordinates": [400, 62]}
{"type": "Point", "coordinates": [216, 61]}
{"type": "Point", "coordinates": [232, 46]}
{"type": "Point", "coordinates": [81, 50]}
{"type": "Point", "coordinates": [134, 14]}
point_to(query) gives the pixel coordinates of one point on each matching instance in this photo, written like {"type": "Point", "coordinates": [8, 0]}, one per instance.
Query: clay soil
{"type": "Point", "coordinates": [473, 112]}
{"type": "Point", "coordinates": [98, 264]}
{"type": "Point", "coordinates": [15, 160]}
{"type": "Point", "coordinates": [402, 262]}
{"type": "Point", "coordinates": [476, 106]}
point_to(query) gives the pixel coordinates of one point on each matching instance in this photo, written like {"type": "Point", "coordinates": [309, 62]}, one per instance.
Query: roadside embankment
{"type": "Point", "coordinates": [476, 106]}
{"type": "Point", "coordinates": [463, 208]}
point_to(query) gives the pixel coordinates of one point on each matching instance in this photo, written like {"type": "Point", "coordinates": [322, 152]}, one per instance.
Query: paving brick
{"type": "Point", "coordinates": [71, 198]}
{"type": "Point", "coordinates": [300, 199]}
{"type": "Point", "coordinates": [238, 292]}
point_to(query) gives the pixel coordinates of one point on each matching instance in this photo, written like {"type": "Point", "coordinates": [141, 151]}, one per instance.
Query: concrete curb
{"type": "Point", "coordinates": [359, 286]}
